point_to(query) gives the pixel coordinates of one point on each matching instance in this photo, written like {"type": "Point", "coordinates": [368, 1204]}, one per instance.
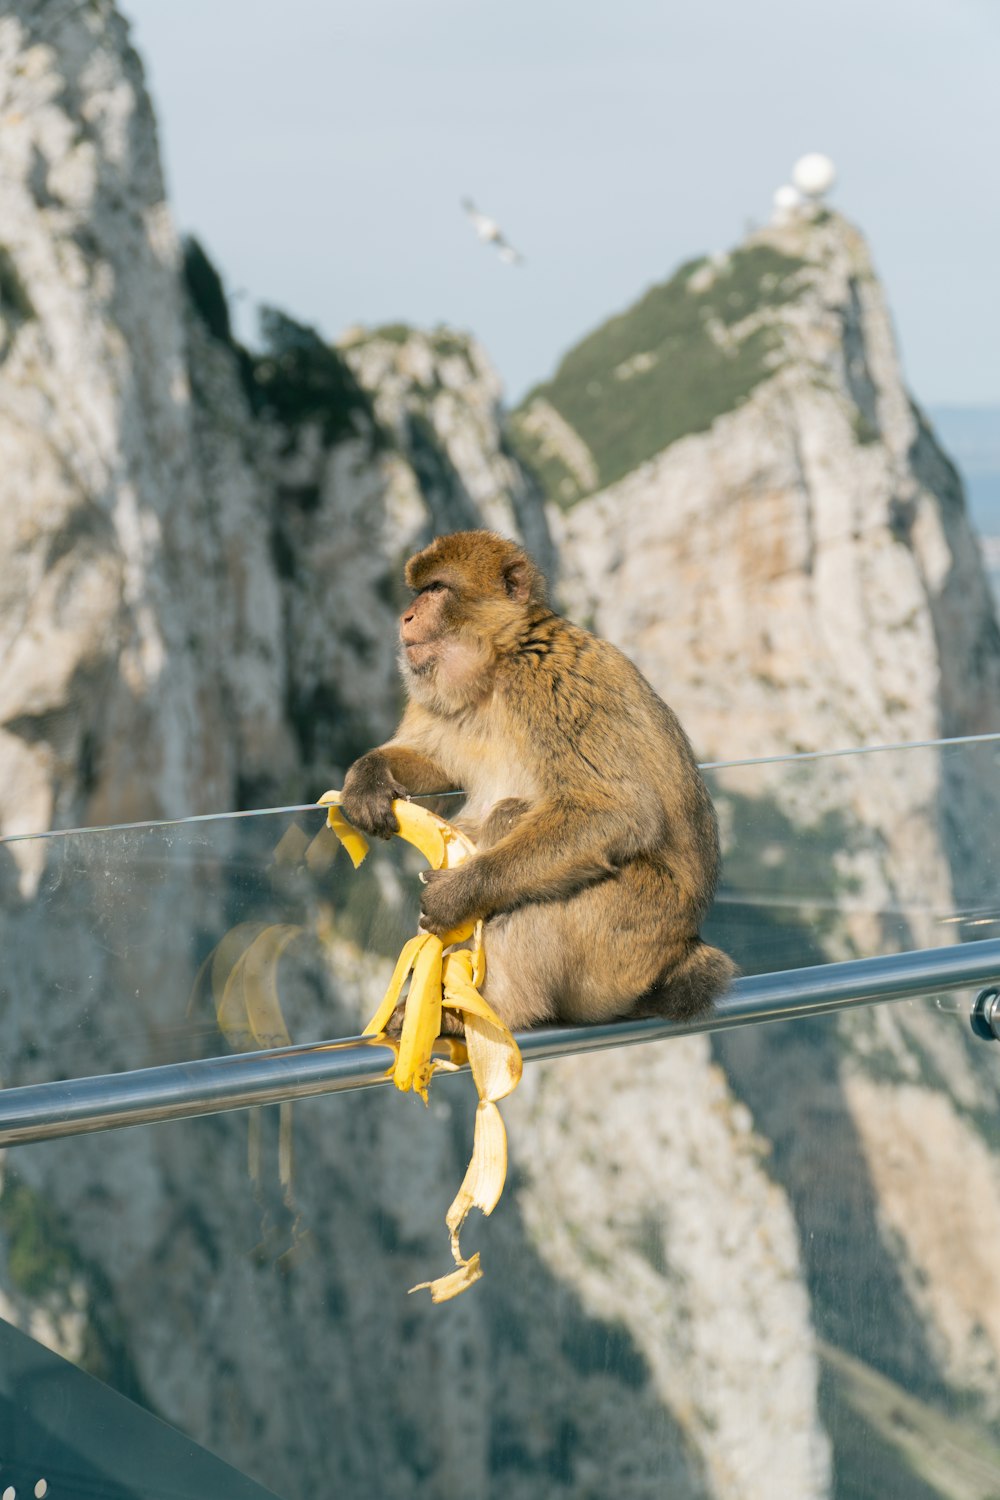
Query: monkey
{"type": "Point", "coordinates": [598, 846]}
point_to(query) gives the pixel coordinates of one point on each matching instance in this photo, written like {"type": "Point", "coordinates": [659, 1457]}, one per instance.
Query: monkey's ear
{"type": "Point", "coordinates": [517, 580]}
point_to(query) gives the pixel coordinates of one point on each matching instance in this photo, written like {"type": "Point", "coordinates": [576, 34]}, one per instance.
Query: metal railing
{"type": "Point", "coordinates": [144, 1096]}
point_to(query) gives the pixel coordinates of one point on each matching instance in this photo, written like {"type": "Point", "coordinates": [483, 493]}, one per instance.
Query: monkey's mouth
{"type": "Point", "coordinates": [419, 655]}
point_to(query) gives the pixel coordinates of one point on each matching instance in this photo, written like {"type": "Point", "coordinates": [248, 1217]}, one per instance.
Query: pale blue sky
{"type": "Point", "coordinates": [320, 150]}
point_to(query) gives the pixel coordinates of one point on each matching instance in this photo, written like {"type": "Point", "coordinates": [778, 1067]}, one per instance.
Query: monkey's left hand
{"type": "Point", "coordinates": [448, 901]}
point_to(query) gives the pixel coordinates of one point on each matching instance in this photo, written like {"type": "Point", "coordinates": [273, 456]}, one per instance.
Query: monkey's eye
{"type": "Point", "coordinates": [436, 587]}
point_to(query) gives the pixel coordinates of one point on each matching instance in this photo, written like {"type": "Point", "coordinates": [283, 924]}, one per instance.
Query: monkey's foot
{"type": "Point", "coordinates": [451, 1024]}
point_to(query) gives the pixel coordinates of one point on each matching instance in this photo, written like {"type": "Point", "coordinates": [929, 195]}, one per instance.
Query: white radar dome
{"type": "Point", "coordinates": [787, 198]}
{"type": "Point", "coordinates": [814, 174]}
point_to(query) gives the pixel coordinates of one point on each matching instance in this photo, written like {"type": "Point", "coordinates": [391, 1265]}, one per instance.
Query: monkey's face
{"type": "Point", "coordinates": [472, 592]}
{"type": "Point", "coordinates": [423, 626]}
{"type": "Point", "coordinates": [444, 657]}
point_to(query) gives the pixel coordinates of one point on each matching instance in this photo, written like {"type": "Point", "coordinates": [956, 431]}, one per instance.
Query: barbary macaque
{"type": "Point", "coordinates": [598, 843]}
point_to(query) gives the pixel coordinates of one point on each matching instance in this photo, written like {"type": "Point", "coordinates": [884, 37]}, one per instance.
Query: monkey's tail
{"type": "Point", "coordinates": [687, 987]}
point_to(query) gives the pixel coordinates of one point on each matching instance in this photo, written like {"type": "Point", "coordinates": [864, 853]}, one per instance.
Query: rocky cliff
{"type": "Point", "coordinates": [748, 501]}
{"type": "Point", "coordinates": [205, 550]}
{"type": "Point", "coordinates": [198, 614]}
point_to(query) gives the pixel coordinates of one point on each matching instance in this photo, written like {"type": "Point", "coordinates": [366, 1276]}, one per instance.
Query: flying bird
{"type": "Point", "coordinates": [489, 231]}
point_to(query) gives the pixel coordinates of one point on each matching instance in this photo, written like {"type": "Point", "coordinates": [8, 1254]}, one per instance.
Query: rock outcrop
{"type": "Point", "coordinates": [198, 615]}
{"type": "Point", "coordinates": [784, 549]}
{"type": "Point", "coordinates": [440, 398]}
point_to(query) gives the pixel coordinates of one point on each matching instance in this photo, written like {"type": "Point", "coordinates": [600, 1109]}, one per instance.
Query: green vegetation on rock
{"type": "Point", "coordinates": [392, 333]}
{"type": "Point", "coordinates": [298, 378]}
{"type": "Point", "coordinates": [14, 300]}
{"type": "Point", "coordinates": [45, 1266]}
{"type": "Point", "coordinates": [448, 342]}
{"type": "Point", "coordinates": [206, 291]}
{"type": "Point", "coordinates": [667, 367]}
{"type": "Point", "coordinates": [444, 342]}
{"type": "Point", "coordinates": [302, 379]}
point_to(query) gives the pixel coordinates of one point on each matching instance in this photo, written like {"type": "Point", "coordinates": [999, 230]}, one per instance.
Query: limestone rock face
{"type": "Point", "coordinates": [203, 573]}
{"type": "Point", "coordinates": [802, 574]}
{"type": "Point", "coordinates": [94, 433]}
{"type": "Point", "coordinates": [644, 1191]}
{"type": "Point", "coordinates": [796, 572]}
{"type": "Point", "coordinates": [198, 613]}
{"type": "Point", "coordinates": [441, 399]}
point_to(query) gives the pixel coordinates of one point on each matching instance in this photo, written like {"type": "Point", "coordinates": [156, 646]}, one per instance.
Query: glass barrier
{"type": "Point", "coordinates": [138, 937]}
{"type": "Point", "coordinates": [65, 1434]}
{"type": "Point", "coordinates": [847, 855]}
{"type": "Point", "coordinates": [755, 1264]}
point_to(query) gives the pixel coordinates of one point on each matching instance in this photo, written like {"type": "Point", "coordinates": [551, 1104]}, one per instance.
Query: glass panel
{"type": "Point", "coordinates": [67, 1436]}
{"type": "Point", "coordinates": [760, 1263]}
{"type": "Point", "coordinates": [139, 930]}
{"type": "Point", "coordinates": [852, 855]}
{"type": "Point", "coordinates": [133, 935]}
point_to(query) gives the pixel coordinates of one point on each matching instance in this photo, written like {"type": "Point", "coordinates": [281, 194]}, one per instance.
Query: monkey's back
{"type": "Point", "coordinates": [598, 733]}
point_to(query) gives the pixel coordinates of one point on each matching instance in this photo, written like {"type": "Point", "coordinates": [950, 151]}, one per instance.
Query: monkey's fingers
{"type": "Point", "coordinates": [444, 905]}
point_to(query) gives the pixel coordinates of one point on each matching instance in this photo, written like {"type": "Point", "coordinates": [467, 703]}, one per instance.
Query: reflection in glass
{"type": "Point", "coordinates": [758, 1263]}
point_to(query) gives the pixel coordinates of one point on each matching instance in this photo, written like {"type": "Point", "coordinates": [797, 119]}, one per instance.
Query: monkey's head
{"type": "Point", "coordinates": [474, 590]}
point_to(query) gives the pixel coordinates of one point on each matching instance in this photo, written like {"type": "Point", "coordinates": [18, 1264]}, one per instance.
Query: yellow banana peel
{"type": "Point", "coordinates": [354, 842]}
{"type": "Point", "coordinates": [439, 982]}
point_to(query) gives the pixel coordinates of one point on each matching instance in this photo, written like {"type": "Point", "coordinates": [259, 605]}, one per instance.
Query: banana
{"type": "Point", "coordinates": [424, 830]}
{"type": "Point", "coordinates": [442, 846]}
{"type": "Point", "coordinates": [354, 842]}
{"type": "Point", "coordinates": [440, 980]}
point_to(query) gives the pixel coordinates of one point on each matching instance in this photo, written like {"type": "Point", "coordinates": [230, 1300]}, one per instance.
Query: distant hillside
{"type": "Point", "coordinates": [691, 349]}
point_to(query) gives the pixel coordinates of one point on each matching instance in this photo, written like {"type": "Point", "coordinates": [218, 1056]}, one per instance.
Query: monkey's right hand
{"type": "Point", "coordinates": [369, 791]}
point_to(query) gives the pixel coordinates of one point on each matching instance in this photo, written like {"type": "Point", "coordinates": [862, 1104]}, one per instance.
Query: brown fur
{"type": "Point", "coordinates": [599, 849]}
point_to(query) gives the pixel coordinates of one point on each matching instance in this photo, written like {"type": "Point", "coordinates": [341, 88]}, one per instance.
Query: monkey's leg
{"type": "Point", "coordinates": [551, 853]}
{"type": "Point", "coordinates": [623, 947]}
{"type": "Point", "coordinates": [451, 1025]}
{"type": "Point", "coordinates": [522, 970]}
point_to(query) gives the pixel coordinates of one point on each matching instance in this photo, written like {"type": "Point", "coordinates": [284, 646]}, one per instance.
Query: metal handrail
{"type": "Point", "coordinates": [144, 1096]}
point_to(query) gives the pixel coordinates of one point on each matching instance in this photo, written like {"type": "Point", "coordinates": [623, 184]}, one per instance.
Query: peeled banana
{"type": "Point", "coordinates": [446, 981]}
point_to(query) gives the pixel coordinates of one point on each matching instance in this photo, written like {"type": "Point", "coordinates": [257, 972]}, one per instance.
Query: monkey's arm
{"type": "Point", "coordinates": [395, 769]}
{"type": "Point", "coordinates": [553, 851]}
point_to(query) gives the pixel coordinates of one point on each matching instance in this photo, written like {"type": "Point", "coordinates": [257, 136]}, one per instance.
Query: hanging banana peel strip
{"type": "Point", "coordinates": [442, 981]}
